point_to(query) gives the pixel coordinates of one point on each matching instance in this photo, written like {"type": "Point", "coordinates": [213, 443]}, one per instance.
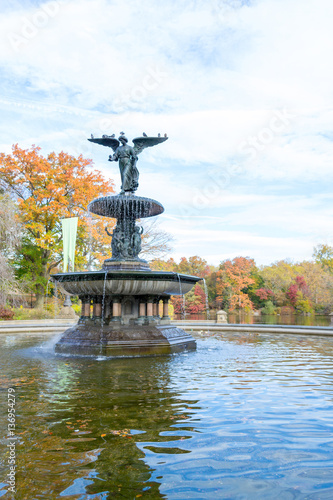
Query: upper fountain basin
{"type": "Point", "coordinates": [161, 283]}
{"type": "Point", "coordinates": [125, 206]}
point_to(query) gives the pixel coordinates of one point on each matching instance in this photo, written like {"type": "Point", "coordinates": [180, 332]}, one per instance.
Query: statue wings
{"type": "Point", "coordinates": [140, 143]}
{"type": "Point", "coordinates": [110, 142]}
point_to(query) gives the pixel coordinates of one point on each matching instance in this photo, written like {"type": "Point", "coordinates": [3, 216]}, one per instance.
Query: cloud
{"type": "Point", "coordinates": [243, 90]}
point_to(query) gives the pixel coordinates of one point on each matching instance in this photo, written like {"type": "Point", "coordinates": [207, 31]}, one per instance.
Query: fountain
{"type": "Point", "coordinates": [120, 313]}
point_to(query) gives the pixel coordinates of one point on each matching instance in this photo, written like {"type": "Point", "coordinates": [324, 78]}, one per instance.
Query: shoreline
{"type": "Point", "coordinates": [60, 325]}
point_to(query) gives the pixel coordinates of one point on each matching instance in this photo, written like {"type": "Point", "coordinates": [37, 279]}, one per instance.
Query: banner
{"type": "Point", "coordinates": [69, 229]}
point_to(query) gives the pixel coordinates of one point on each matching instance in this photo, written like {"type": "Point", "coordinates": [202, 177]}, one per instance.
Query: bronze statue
{"type": "Point", "coordinates": [136, 240]}
{"type": "Point", "coordinates": [127, 165]}
{"type": "Point", "coordinates": [126, 240]}
{"type": "Point", "coordinates": [127, 156]}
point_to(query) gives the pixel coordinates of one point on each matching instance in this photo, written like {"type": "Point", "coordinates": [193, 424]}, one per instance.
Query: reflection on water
{"type": "Point", "coordinates": [246, 416]}
{"type": "Point", "coordinates": [265, 319]}
{"type": "Point", "coordinates": [281, 319]}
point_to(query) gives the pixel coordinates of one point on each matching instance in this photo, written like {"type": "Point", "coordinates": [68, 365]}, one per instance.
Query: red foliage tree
{"type": "Point", "coordinates": [264, 293]}
{"type": "Point", "coordinates": [297, 290]}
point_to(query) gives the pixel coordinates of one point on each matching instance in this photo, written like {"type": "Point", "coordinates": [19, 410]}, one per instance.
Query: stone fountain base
{"type": "Point", "coordinates": [124, 313]}
{"type": "Point", "coordinates": [124, 340]}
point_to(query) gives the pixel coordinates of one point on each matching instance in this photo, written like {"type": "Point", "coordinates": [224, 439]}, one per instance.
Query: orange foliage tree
{"type": "Point", "coordinates": [195, 266]}
{"type": "Point", "coordinates": [233, 278]}
{"type": "Point", "coordinates": [47, 189]}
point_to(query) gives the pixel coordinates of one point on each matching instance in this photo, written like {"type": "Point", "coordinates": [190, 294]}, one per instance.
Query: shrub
{"type": "Point", "coordinates": [287, 310]}
{"type": "Point", "coordinates": [6, 313]}
{"type": "Point", "coordinates": [269, 308]}
{"type": "Point", "coordinates": [21, 314]}
{"type": "Point", "coordinates": [77, 309]}
{"type": "Point", "coordinates": [304, 306]}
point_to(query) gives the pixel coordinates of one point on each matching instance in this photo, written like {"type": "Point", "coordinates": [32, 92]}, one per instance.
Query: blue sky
{"type": "Point", "coordinates": [243, 89]}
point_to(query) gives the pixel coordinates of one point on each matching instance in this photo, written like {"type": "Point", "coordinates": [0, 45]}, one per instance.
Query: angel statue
{"type": "Point", "coordinates": [127, 156]}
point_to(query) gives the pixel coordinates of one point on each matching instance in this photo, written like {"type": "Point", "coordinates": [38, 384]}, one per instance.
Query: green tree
{"type": "Point", "coordinates": [323, 254]}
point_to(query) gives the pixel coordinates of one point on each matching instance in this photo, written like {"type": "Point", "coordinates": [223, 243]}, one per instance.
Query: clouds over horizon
{"type": "Point", "coordinates": [243, 89]}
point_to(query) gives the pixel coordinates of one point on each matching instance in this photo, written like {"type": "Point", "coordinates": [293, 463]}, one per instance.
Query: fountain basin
{"type": "Point", "coordinates": [115, 340]}
{"type": "Point", "coordinates": [125, 207]}
{"type": "Point", "coordinates": [121, 313]}
{"type": "Point", "coordinates": [160, 283]}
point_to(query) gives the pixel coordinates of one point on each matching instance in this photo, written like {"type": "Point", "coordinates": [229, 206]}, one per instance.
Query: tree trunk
{"type": "Point", "coordinates": [39, 304]}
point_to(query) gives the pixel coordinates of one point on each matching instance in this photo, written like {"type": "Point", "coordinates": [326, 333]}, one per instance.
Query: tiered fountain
{"type": "Point", "coordinates": [121, 303]}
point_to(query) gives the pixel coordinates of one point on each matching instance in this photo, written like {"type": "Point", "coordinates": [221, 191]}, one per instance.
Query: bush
{"type": "Point", "coordinates": [6, 313]}
{"type": "Point", "coordinates": [269, 308]}
{"type": "Point", "coordinates": [77, 309]}
{"type": "Point", "coordinates": [287, 310]}
{"type": "Point", "coordinates": [304, 306]}
{"type": "Point", "coordinates": [20, 314]}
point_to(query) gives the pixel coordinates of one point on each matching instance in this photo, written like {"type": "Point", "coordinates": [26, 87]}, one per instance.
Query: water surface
{"type": "Point", "coordinates": [246, 416]}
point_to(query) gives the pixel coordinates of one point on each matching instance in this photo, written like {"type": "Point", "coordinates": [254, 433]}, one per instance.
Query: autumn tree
{"type": "Point", "coordinates": [319, 282]}
{"type": "Point", "coordinates": [233, 278]}
{"type": "Point", "coordinates": [193, 266]}
{"type": "Point", "coordinates": [298, 294]}
{"type": "Point", "coordinates": [194, 303]}
{"type": "Point", "coordinates": [47, 189]}
{"type": "Point", "coordinates": [264, 294]}
{"type": "Point", "coordinates": [211, 286]}
{"type": "Point", "coordinates": [323, 254]}
{"type": "Point", "coordinates": [196, 300]}
{"type": "Point", "coordinates": [278, 277]}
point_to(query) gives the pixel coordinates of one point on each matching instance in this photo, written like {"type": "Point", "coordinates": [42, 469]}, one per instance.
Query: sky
{"type": "Point", "coordinates": [243, 88]}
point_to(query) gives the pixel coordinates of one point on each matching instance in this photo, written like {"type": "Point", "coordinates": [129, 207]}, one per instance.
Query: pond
{"type": "Point", "coordinates": [246, 416]}
{"type": "Point", "coordinates": [265, 319]}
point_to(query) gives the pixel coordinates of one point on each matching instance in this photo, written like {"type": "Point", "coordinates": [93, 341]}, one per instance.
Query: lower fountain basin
{"type": "Point", "coordinates": [124, 340]}
{"type": "Point", "coordinates": [160, 283]}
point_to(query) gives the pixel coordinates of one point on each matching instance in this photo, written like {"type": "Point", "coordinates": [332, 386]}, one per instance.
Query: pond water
{"type": "Point", "coordinates": [266, 319]}
{"type": "Point", "coordinates": [246, 416]}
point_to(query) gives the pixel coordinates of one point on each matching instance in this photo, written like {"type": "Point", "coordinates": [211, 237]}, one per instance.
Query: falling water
{"type": "Point", "coordinates": [55, 299]}
{"type": "Point", "coordinates": [47, 292]}
{"type": "Point", "coordinates": [183, 296]}
{"type": "Point", "coordinates": [206, 294]}
{"type": "Point", "coordinates": [90, 240]}
{"type": "Point", "coordinates": [102, 317]}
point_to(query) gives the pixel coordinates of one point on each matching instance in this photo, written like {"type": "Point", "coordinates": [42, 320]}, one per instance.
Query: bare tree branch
{"type": "Point", "coordinates": [156, 243]}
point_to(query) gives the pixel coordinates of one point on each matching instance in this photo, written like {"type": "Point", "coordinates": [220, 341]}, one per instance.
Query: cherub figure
{"type": "Point", "coordinates": [136, 240]}
{"type": "Point", "coordinates": [116, 242]}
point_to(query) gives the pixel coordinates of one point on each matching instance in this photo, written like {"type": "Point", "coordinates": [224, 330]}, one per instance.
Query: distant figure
{"type": "Point", "coordinates": [92, 136]}
{"type": "Point", "coordinates": [165, 135]}
{"type": "Point", "coordinates": [144, 134]}
{"type": "Point", "coordinates": [158, 135]}
{"type": "Point", "coordinates": [113, 135]}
